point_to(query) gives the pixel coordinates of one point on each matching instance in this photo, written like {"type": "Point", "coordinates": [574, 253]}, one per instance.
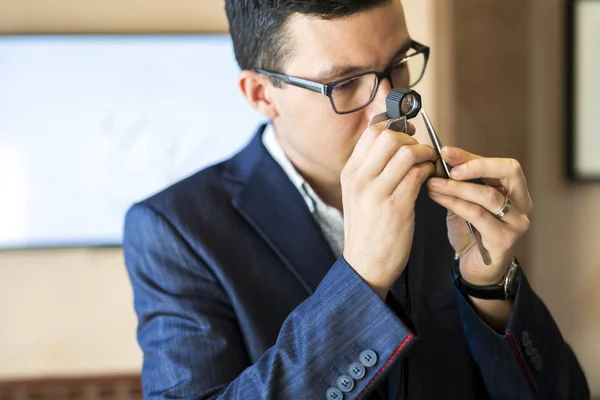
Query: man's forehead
{"type": "Point", "coordinates": [366, 39]}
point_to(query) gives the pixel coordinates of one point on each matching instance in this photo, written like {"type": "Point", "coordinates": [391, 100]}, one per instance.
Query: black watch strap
{"type": "Point", "coordinates": [488, 292]}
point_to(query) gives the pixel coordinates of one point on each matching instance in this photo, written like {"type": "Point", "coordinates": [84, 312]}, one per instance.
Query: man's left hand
{"type": "Point", "coordinates": [478, 204]}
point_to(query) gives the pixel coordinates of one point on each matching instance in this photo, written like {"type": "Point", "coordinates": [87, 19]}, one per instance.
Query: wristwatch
{"type": "Point", "coordinates": [506, 289]}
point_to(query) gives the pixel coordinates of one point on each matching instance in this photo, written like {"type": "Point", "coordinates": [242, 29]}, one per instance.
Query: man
{"type": "Point", "coordinates": [284, 272]}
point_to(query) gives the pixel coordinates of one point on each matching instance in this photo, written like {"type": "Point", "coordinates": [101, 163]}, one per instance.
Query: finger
{"type": "Point", "coordinates": [500, 235]}
{"type": "Point", "coordinates": [401, 163]}
{"type": "Point", "coordinates": [507, 171]}
{"type": "Point", "coordinates": [486, 196]}
{"type": "Point", "coordinates": [364, 144]}
{"type": "Point", "coordinates": [384, 148]}
{"type": "Point", "coordinates": [455, 156]}
{"type": "Point", "coordinates": [413, 180]}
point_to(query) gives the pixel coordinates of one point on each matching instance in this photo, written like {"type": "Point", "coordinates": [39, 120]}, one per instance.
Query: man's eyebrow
{"type": "Point", "coordinates": [342, 71]}
{"type": "Point", "coordinates": [339, 71]}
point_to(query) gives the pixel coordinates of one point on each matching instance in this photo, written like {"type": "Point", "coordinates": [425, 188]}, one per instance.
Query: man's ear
{"type": "Point", "coordinates": [258, 89]}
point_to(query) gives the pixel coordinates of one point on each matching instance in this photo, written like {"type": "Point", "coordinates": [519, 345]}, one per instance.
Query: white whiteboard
{"type": "Point", "coordinates": [90, 124]}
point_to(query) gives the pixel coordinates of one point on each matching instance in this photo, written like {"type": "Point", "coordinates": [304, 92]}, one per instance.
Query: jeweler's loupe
{"type": "Point", "coordinates": [403, 103]}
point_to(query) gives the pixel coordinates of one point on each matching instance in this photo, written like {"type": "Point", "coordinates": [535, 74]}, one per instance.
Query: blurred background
{"type": "Point", "coordinates": [95, 141]}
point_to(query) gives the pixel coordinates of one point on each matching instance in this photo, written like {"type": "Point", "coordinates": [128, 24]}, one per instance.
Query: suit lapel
{"type": "Point", "coordinates": [274, 207]}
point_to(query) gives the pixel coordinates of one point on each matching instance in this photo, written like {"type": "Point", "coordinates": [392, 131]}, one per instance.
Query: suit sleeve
{"type": "Point", "coordinates": [528, 361]}
{"type": "Point", "coordinates": [193, 348]}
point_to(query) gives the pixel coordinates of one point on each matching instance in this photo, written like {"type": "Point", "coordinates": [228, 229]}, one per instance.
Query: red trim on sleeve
{"type": "Point", "coordinates": [523, 366]}
{"type": "Point", "coordinates": [388, 362]}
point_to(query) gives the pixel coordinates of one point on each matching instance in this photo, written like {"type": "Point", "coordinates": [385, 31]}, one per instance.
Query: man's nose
{"type": "Point", "coordinates": [378, 104]}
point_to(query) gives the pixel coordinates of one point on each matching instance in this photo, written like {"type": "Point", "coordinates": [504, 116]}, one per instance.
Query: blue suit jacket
{"type": "Point", "coordinates": [239, 296]}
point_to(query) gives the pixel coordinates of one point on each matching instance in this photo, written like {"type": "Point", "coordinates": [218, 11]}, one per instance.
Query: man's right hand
{"type": "Point", "coordinates": [380, 184]}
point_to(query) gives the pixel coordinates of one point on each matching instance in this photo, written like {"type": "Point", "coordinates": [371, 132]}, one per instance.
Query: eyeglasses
{"type": "Point", "coordinates": [355, 93]}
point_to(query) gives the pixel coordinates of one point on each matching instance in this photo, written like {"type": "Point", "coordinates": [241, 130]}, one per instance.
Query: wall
{"type": "Point", "coordinates": [508, 99]}
{"type": "Point", "coordinates": [62, 16]}
{"type": "Point", "coordinates": [564, 239]}
{"type": "Point", "coordinates": [65, 312]}
{"type": "Point", "coordinates": [69, 312]}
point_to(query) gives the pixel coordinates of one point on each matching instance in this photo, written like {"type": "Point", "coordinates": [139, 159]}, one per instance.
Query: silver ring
{"type": "Point", "coordinates": [505, 208]}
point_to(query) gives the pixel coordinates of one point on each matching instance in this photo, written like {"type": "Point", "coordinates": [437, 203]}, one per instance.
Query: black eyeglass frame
{"type": "Point", "coordinates": [327, 88]}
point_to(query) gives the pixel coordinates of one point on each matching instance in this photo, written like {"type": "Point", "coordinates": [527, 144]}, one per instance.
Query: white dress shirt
{"type": "Point", "coordinates": [329, 219]}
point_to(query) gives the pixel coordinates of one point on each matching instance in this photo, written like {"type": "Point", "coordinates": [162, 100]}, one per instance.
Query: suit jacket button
{"type": "Point", "coordinates": [356, 370]}
{"type": "Point", "coordinates": [368, 358]}
{"type": "Point", "coordinates": [537, 363]}
{"type": "Point", "coordinates": [334, 394]}
{"type": "Point", "coordinates": [345, 383]}
{"type": "Point", "coordinates": [530, 350]}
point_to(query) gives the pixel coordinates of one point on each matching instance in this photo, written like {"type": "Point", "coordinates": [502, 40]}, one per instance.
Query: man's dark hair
{"type": "Point", "coordinates": [259, 27]}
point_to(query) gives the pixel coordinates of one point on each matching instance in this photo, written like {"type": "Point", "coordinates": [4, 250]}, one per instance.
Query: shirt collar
{"type": "Point", "coordinates": [329, 218]}
{"type": "Point", "coordinates": [274, 148]}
